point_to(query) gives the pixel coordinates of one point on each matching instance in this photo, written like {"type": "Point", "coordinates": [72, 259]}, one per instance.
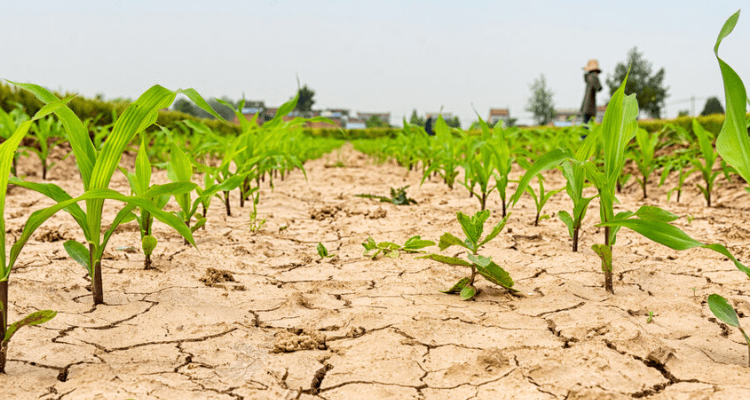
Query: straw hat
{"type": "Point", "coordinates": [593, 65]}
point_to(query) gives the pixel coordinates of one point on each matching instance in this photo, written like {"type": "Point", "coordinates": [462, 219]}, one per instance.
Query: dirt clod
{"type": "Point", "coordinates": [295, 339]}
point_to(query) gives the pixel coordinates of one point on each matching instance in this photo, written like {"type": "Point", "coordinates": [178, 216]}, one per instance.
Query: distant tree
{"type": "Point", "coordinates": [540, 103]}
{"type": "Point", "coordinates": [183, 105]}
{"type": "Point", "coordinates": [453, 122]}
{"type": "Point", "coordinates": [683, 113]}
{"type": "Point", "coordinates": [375, 122]}
{"type": "Point", "coordinates": [305, 101]}
{"type": "Point", "coordinates": [416, 119]}
{"type": "Point", "coordinates": [713, 106]}
{"type": "Point", "coordinates": [649, 88]}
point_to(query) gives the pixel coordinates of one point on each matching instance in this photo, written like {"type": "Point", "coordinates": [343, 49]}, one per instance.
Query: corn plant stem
{"type": "Point", "coordinates": [608, 269]}
{"type": "Point", "coordinates": [44, 170]}
{"type": "Point", "coordinates": [187, 223]}
{"type": "Point", "coordinates": [484, 201]}
{"type": "Point", "coordinates": [536, 220]}
{"type": "Point", "coordinates": [147, 259]}
{"type": "Point", "coordinates": [503, 201]}
{"type": "Point", "coordinates": [3, 324]}
{"type": "Point", "coordinates": [645, 182]}
{"type": "Point", "coordinates": [96, 285]}
{"type": "Point", "coordinates": [242, 197]}
{"type": "Point", "coordinates": [226, 204]}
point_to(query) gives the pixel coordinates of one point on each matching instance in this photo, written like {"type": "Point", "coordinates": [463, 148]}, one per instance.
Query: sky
{"type": "Point", "coordinates": [369, 56]}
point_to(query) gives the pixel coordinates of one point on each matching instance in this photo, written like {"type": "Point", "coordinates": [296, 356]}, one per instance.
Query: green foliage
{"type": "Point", "coordinates": [412, 245]}
{"type": "Point", "coordinates": [705, 166]}
{"type": "Point", "coordinates": [541, 199]}
{"type": "Point", "coordinates": [644, 156]}
{"type": "Point", "coordinates": [375, 122]}
{"type": "Point", "coordinates": [323, 251]}
{"type": "Point", "coordinates": [647, 86]}
{"type": "Point", "coordinates": [540, 103]}
{"type": "Point", "coordinates": [398, 197]}
{"type": "Point", "coordinates": [473, 228]}
{"type": "Point", "coordinates": [724, 312]}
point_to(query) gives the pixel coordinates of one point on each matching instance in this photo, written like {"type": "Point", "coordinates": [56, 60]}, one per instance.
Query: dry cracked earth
{"type": "Point", "coordinates": [259, 316]}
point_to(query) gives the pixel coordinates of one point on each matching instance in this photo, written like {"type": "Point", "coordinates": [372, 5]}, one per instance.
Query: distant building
{"type": "Point", "coordinates": [355, 123]}
{"type": "Point", "coordinates": [566, 117]}
{"type": "Point", "coordinates": [498, 114]}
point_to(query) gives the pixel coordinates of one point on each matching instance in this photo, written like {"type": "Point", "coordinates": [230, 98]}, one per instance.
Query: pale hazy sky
{"type": "Point", "coordinates": [375, 56]}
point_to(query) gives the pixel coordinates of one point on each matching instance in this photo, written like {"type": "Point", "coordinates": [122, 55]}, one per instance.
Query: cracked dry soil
{"type": "Point", "coordinates": [291, 326]}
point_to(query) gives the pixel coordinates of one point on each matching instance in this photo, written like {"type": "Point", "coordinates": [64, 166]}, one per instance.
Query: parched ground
{"type": "Point", "coordinates": [259, 316]}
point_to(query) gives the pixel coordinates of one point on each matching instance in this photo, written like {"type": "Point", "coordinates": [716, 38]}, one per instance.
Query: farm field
{"type": "Point", "coordinates": [289, 325]}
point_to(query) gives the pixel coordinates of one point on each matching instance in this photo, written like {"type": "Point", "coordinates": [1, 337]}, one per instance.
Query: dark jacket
{"type": "Point", "coordinates": [589, 98]}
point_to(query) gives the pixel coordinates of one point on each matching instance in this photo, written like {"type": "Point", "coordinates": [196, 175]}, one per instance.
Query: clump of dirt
{"type": "Point", "coordinates": [377, 214]}
{"type": "Point", "coordinates": [51, 235]}
{"type": "Point", "coordinates": [296, 339]}
{"type": "Point", "coordinates": [218, 277]}
{"type": "Point", "coordinates": [324, 213]}
{"type": "Point", "coordinates": [355, 332]}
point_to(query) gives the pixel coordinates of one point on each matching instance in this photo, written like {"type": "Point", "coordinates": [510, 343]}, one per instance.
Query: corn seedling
{"type": "Point", "coordinates": [705, 167]}
{"type": "Point", "coordinates": [575, 180]}
{"type": "Point", "coordinates": [680, 164]}
{"type": "Point", "coordinates": [412, 245]}
{"type": "Point", "coordinates": [140, 184]}
{"type": "Point", "coordinates": [448, 155]}
{"type": "Point", "coordinates": [48, 133]}
{"type": "Point", "coordinates": [323, 252]}
{"type": "Point", "coordinates": [644, 156]}
{"type": "Point", "coordinates": [473, 228]}
{"type": "Point", "coordinates": [398, 197]}
{"type": "Point", "coordinates": [97, 168]}
{"type": "Point", "coordinates": [9, 123]}
{"type": "Point", "coordinates": [540, 200]}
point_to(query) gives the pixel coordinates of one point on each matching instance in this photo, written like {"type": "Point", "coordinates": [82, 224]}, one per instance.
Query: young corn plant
{"type": "Point", "coordinates": [479, 170]}
{"type": "Point", "coordinates": [473, 228]}
{"type": "Point", "coordinates": [97, 169]}
{"type": "Point", "coordinates": [398, 197]}
{"type": "Point", "coordinates": [681, 164]}
{"type": "Point", "coordinates": [541, 199]}
{"type": "Point", "coordinates": [644, 156]}
{"type": "Point", "coordinates": [323, 251]}
{"type": "Point", "coordinates": [48, 133]}
{"type": "Point", "coordinates": [392, 250]}
{"type": "Point", "coordinates": [7, 155]}
{"type": "Point", "coordinates": [706, 166]}
{"type": "Point", "coordinates": [140, 184]}
{"type": "Point", "coordinates": [723, 311]}
{"type": "Point", "coordinates": [575, 180]}
{"type": "Point", "coordinates": [9, 123]}
{"type": "Point", "coordinates": [449, 155]}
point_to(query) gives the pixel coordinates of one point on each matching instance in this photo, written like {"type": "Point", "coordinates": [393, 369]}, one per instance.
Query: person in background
{"type": "Point", "coordinates": [429, 126]}
{"type": "Point", "coordinates": [591, 77]}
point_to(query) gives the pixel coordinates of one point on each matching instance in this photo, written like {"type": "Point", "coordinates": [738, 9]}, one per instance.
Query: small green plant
{"type": "Point", "coordinates": [705, 167]}
{"type": "Point", "coordinates": [48, 133]}
{"type": "Point", "coordinates": [398, 197]}
{"type": "Point", "coordinates": [323, 252]}
{"type": "Point", "coordinates": [541, 199]}
{"type": "Point", "coordinates": [644, 156]}
{"type": "Point", "coordinates": [680, 164]}
{"type": "Point", "coordinates": [412, 245]}
{"type": "Point", "coordinates": [650, 317]}
{"type": "Point", "coordinates": [473, 228]}
{"type": "Point", "coordinates": [723, 311]}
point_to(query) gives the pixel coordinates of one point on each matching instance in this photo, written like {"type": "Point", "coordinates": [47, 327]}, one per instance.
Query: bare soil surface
{"type": "Point", "coordinates": [260, 316]}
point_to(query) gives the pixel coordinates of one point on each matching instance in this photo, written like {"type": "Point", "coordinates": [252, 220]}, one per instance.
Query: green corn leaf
{"type": "Point", "coordinates": [495, 274]}
{"type": "Point", "coordinates": [79, 253]}
{"type": "Point", "coordinates": [733, 143]}
{"type": "Point", "coordinates": [198, 224]}
{"type": "Point", "coordinates": [193, 95]}
{"type": "Point", "coordinates": [568, 221]}
{"type": "Point", "coordinates": [142, 169]}
{"type": "Point", "coordinates": [322, 251]}
{"type": "Point", "coordinates": [448, 240]}
{"type": "Point", "coordinates": [545, 162]}
{"type": "Point", "coordinates": [618, 128]}
{"type": "Point", "coordinates": [605, 253]}
{"type": "Point", "coordinates": [458, 286]}
{"type": "Point", "coordinates": [34, 318]}
{"type": "Point", "coordinates": [672, 237]}
{"type": "Point", "coordinates": [723, 311]}
{"type": "Point", "coordinates": [468, 292]}
{"type": "Point", "coordinates": [656, 213]}
{"type": "Point", "coordinates": [495, 230]}
{"type": "Point", "coordinates": [469, 228]}
{"type": "Point", "coordinates": [415, 243]}
{"type": "Point", "coordinates": [77, 134]}
{"type": "Point", "coordinates": [447, 260]}
{"type": "Point", "coordinates": [148, 243]}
